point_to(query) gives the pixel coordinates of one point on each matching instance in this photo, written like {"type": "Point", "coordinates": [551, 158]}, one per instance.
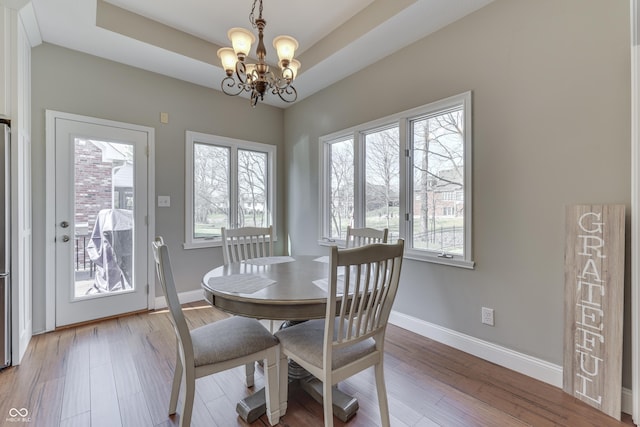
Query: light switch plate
{"type": "Point", "coordinates": [164, 201]}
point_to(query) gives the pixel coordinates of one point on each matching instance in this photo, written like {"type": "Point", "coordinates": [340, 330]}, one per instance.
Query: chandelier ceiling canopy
{"type": "Point", "coordinates": [258, 78]}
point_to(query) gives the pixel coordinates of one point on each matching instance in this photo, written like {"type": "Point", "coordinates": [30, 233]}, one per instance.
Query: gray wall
{"type": "Point", "coordinates": [551, 110]}
{"type": "Point", "coordinates": [73, 82]}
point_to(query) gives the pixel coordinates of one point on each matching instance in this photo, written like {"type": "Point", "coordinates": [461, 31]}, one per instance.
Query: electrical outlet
{"type": "Point", "coordinates": [487, 316]}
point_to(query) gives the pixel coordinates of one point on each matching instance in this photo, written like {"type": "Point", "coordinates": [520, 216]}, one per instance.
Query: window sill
{"type": "Point", "coordinates": [414, 255]}
{"type": "Point", "coordinates": [203, 244]}
{"type": "Point", "coordinates": [330, 243]}
{"type": "Point", "coordinates": [453, 262]}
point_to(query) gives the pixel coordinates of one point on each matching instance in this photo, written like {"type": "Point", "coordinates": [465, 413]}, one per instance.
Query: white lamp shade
{"type": "Point", "coordinates": [293, 67]}
{"type": "Point", "coordinates": [241, 40]}
{"type": "Point", "coordinates": [286, 47]}
{"type": "Point", "coordinates": [228, 58]}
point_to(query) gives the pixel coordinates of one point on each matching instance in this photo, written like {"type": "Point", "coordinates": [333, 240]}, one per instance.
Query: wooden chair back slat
{"type": "Point", "coordinates": [365, 236]}
{"type": "Point", "coordinates": [240, 244]}
{"type": "Point", "coordinates": [365, 279]}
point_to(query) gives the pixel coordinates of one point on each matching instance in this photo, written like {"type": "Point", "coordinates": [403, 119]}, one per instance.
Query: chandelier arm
{"type": "Point", "coordinates": [287, 93]}
{"type": "Point", "coordinates": [280, 84]}
{"type": "Point", "coordinates": [231, 87]}
{"type": "Point", "coordinates": [241, 72]}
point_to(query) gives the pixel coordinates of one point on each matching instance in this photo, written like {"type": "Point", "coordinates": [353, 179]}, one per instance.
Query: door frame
{"type": "Point", "coordinates": [50, 200]}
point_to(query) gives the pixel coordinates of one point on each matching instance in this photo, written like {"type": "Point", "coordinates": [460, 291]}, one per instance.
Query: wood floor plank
{"type": "Point", "coordinates": [80, 420]}
{"type": "Point", "coordinates": [125, 372]}
{"type": "Point", "coordinates": [155, 380]}
{"type": "Point", "coordinates": [77, 387]}
{"type": "Point", "coordinates": [223, 411]}
{"type": "Point", "coordinates": [48, 407]}
{"type": "Point", "coordinates": [105, 407]}
{"type": "Point", "coordinates": [208, 389]}
{"type": "Point", "coordinates": [134, 411]}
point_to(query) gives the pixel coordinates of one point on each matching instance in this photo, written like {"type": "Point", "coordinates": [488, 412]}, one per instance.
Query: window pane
{"type": "Point", "coordinates": [382, 173]}
{"type": "Point", "coordinates": [438, 182]}
{"type": "Point", "coordinates": [253, 209]}
{"type": "Point", "coordinates": [103, 194]}
{"type": "Point", "coordinates": [341, 198]}
{"type": "Point", "coordinates": [210, 190]}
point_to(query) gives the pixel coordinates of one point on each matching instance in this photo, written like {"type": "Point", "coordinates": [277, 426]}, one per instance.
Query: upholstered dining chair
{"type": "Point", "coordinates": [365, 236]}
{"type": "Point", "coordinates": [239, 244]}
{"type": "Point", "coordinates": [216, 347]}
{"type": "Point", "coordinates": [343, 344]}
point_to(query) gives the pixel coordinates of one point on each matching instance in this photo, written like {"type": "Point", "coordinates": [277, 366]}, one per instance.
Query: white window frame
{"type": "Point", "coordinates": [234, 145]}
{"type": "Point", "coordinates": [403, 121]}
{"type": "Point", "coordinates": [325, 183]}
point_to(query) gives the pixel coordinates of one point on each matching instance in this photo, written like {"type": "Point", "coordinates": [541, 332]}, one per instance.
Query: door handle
{"type": "Point", "coordinates": [64, 224]}
{"type": "Point", "coordinates": [65, 238]}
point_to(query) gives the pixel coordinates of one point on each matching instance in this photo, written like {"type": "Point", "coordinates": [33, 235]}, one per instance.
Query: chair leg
{"type": "Point", "coordinates": [189, 382]}
{"type": "Point", "coordinates": [382, 395]}
{"type": "Point", "coordinates": [283, 373]}
{"type": "Point", "coordinates": [175, 388]}
{"type": "Point", "coordinates": [250, 369]}
{"type": "Point", "coordinates": [271, 386]}
{"type": "Point", "coordinates": [327, 402]}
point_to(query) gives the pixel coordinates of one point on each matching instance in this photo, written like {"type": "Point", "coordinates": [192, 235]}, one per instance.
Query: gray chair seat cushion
{"type": "Point", "coordinates": [228, 339]}
{"type": "Point", "coordinates": [306, 340]}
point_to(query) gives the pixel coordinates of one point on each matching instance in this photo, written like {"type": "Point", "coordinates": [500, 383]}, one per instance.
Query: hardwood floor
{"type": "Point", "coordinates": [118, 372]}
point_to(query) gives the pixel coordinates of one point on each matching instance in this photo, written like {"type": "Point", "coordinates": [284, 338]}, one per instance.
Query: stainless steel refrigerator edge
{"type": "Point", "coordinates": [5, 246]}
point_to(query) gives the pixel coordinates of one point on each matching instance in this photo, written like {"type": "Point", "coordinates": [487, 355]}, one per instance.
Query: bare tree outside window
{"type": "Point", "coordinates": [382, 175]}
{"type": "Point", "coordinates": [211, 189]}
{"type": "Point", "coordinates": [341, 199]}
{"type": "Point", "coordinates": [438, 171]}
{"type": "Point", "coordinates": [252, 188]}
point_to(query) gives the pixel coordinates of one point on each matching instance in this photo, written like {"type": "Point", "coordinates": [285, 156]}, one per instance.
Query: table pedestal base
{"type": "Point", "coordinates": [252, 407]}
{"type": "Point", "coordinates": [344, 406]}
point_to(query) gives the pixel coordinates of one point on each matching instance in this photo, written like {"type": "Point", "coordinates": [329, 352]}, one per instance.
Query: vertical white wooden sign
{"type": "Point", "coordinates": [594, 302]}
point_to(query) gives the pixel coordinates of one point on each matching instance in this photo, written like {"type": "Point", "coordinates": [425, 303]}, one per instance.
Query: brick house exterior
{"type": "Point", "coordinates": [92, 182]}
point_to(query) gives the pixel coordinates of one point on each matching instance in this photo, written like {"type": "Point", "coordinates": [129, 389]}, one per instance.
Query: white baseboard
{"type": "Point", "coordinates": [528, 365]}
{"type": "Point", "coordinates": [184, 297]}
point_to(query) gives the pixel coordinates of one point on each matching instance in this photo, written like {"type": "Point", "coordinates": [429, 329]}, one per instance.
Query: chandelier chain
{"type": "Point", "coordinates": [252, 14]}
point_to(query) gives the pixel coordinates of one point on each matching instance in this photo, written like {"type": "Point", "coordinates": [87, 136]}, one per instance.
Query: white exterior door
{"type": "Point", "coordinates": [101, 216]}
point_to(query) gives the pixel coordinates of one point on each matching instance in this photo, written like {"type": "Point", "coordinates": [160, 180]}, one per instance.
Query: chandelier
{"type": "Point", "coordinates": [258, 78]}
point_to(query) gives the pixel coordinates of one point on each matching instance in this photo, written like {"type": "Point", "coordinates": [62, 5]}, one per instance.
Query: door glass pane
{"type": "Point", "coordinates": [438, 182]}
{"type": "Point", "coordinates": [210, 190]}
{"type": "Point", "coordinates": [342, 188]}
{"type": "Point", "coordinates": [382, 177]}
{"type": "Point", "coordinates": [103, 214]}
{"type": "Point", "coordinates": [253, 208]}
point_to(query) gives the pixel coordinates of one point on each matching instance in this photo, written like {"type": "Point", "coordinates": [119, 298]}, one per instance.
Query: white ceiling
{"type": "Point", "coordinates": [337, 37]}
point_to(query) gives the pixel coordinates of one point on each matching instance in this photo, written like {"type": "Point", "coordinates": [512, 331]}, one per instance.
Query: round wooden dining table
{"type": "Point", "coordinates": [276, 288]}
